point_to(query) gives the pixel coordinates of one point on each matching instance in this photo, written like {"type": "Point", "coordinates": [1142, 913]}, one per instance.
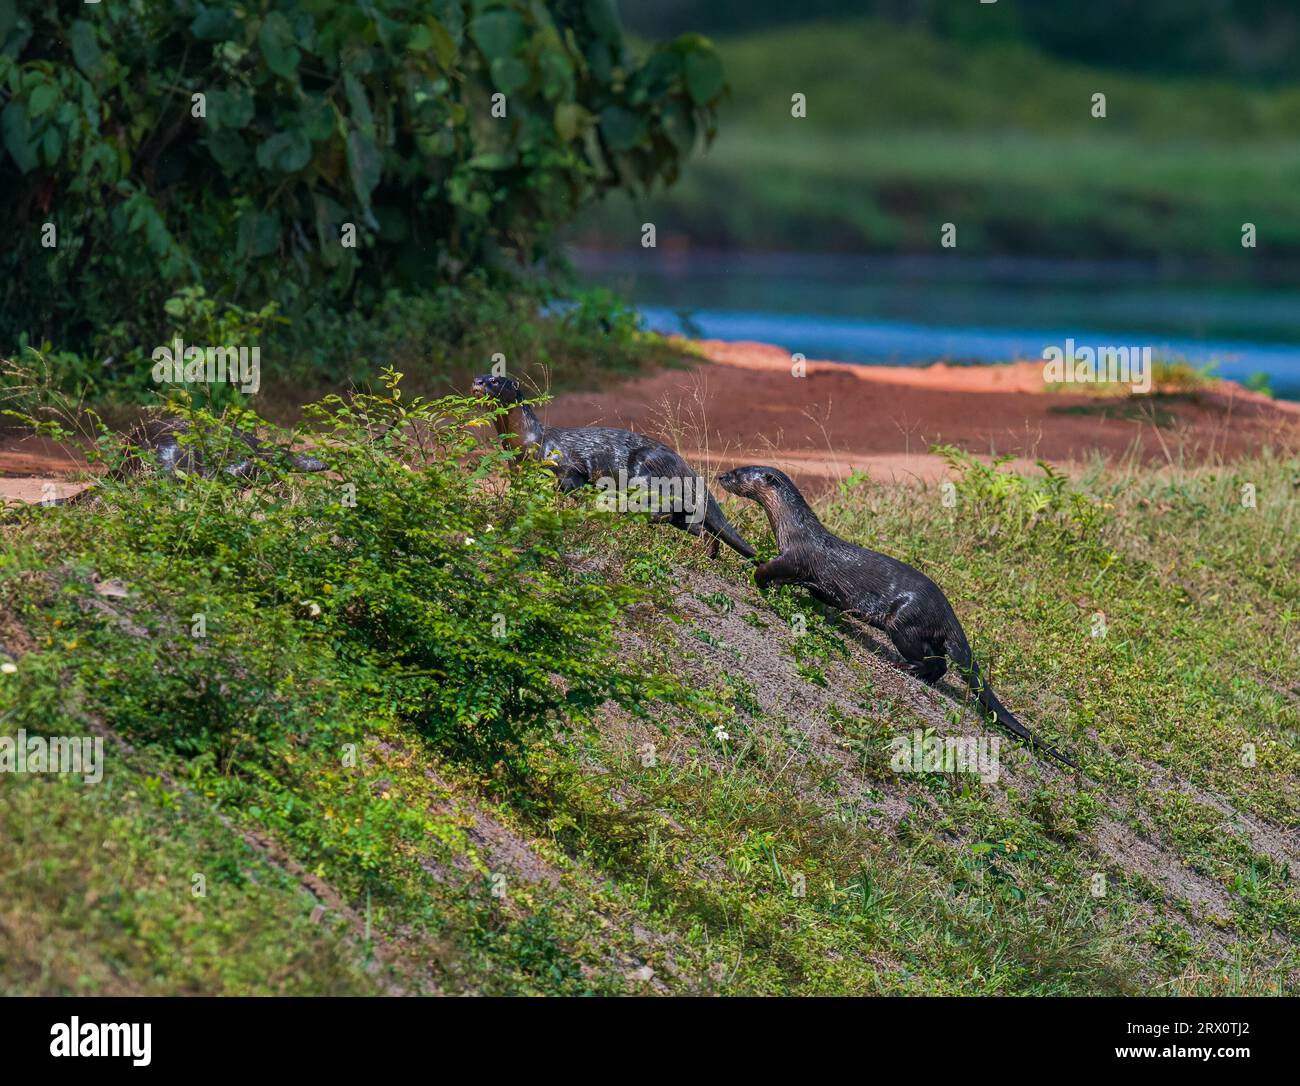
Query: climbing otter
{"type": "Point", "coordinates": [886, 593]}
{"type": "Point", "coordinates": [160, 439]}
{"type": "Point", "coordinates": [584, 455]}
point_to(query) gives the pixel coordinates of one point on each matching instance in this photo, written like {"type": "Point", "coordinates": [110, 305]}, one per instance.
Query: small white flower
{"type": "Point", "coordinates": [313, 608]}
{"type": "Point", "coordinates": [720, 733]}
{"type": "Point", "coordinates": [8, 668]}
{"type": "Point", "coordinates": [469, 541]}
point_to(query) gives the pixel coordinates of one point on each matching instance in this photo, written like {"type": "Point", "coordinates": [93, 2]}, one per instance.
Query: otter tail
{"type": "Point", "coordinates": [960, 654]}
{"type": "Point", "coordinates": [717, 525]}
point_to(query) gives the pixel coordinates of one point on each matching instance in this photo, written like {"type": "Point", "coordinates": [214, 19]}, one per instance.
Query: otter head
{"type": "Point", "coordinates": [773, 489]}
{"type": "Point", "coordinates": [502, 389]}
{"type": "Point", "coordinates": [757, 483]}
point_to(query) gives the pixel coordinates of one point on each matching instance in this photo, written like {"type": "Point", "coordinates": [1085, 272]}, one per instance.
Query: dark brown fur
{"type": "Point", "coordinates": [884, 592]}
{"type": "Point", "coordinates": [156, 443]}
{"type": "Point", "coordinates": [580, 455]}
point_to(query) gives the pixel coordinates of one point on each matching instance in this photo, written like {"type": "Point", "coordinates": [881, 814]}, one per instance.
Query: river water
{"type": "Point", "coordinates": [914, 311]}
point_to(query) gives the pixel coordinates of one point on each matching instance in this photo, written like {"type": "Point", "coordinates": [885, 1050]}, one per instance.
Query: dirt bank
{"type": "Point", "coordinates": [741, 403]}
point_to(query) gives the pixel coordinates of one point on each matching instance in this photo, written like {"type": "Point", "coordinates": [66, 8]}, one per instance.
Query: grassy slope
{"type": "Point", "coordinates": [595, 871]}
{"type": "Point", "coordinates": [904, 132]}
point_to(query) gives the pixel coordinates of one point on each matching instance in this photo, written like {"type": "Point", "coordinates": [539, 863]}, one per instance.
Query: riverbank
{"type": "Point", "coordinates": [660, 779]}
{"type": "Point", "coordinates": [741, 403]}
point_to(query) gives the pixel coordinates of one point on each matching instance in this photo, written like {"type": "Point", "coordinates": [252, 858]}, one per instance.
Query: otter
{"type": "Point", "coordinates": [886, 593]}
{"type": "Point", "coordinates": [584, 455]}
{"type": "Point", "coordinates": [160, 438]}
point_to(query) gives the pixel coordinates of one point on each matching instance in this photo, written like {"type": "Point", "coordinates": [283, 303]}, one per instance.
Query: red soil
{"type": "Point", "coordinates": [743, 405]}
{"type": "Point", "coordinates": [747, 407]}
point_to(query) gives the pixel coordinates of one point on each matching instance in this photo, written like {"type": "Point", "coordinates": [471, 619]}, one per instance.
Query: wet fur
{"type": "Point", "coordinates": [882, 591]}
{"type": "Point", "coordinates": [579, 455]}
{"type": "Point", "coordinates": [162, 439]}
{"type": "Point", "coordinates": [156, 443]}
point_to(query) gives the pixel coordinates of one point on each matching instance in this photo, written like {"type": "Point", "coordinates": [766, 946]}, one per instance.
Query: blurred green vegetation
{"type": "Point", "coordinates": [291, 161]}
{"type": "Point", "coordinates": [907, 129]}
{"type": "Point", "coordinates": [1247, 39]}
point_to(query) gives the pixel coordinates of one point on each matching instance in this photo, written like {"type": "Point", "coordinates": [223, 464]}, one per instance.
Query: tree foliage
{"type": "Point", "coordinates": [147, 147]}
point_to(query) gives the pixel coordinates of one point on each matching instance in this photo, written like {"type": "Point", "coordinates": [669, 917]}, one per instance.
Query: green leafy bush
{"type": "Point", "coordinates": [415, 589]}
{"type": "Point", "coordinates": [145, 148]}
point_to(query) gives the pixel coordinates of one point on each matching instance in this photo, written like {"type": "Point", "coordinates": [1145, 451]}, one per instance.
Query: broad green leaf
{"type": "Point", "coordinates": [318, 119]}
{"type": "Point", "coordinates": [215, 24]}
{"type": "Point", "coordinates": [276, 40]}
{"type": "Point", "coordinates": [230, 108]}
{"type": "Point", "coordinates": [443, 44]}
{"type": "Point", "coordinates": [600, 62]}
{"type": "Point", "coordinates": [704, 77]}
{"type": "Point", "coordinates": [359, 104]}
{"type": "Point", "coordinates": [657, 75]}
{"type": "Point", "coordinates": [85, 48]}
{"type": "Point", "coordinates": [329, 214]}
{"type": "Point", "coordinates": [17, 140]}
{"type": "Point", "coordinates": [621, 128]}
{"type": "Point", "coordinates": [51, 145]}
{"type": "Point", "coordinates": [42, 99]}
{"type": "Point", "coordinates": [287, 152]}
{"type": "Point", "coordinates": [492, 160]}
{"type": "Point", "coordinates": [679, 126]}
{"type": "Point", "coordinates": [509, 74]}
{"type": "Point", "coordinates": [229, 151]}
{"type": "Point", "coordinates": [364, 165]}
{"type": "Point", "coordinates": [437, 144]}
{"type": "Point", "coordinates": [259, 233]}
{"type": "Point", "coordinates": [557, 75]}
{"type": "Point", "coordinates": [498, 33]}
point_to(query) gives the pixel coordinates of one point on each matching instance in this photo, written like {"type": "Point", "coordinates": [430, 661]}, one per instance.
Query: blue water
{"type": "Point", "coordinates": [915, 312]}
{"type": "Point", "coordinates": [903, 344]}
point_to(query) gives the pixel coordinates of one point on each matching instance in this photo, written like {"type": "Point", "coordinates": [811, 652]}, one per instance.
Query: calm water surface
{"type": "Point", "coordinates": [914, 311]}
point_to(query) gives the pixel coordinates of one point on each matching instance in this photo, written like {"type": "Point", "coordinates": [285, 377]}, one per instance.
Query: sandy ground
{"type": "Point", "coordinates": [34, 469]}
{"type": "Point", "coordinates": [742, 404]}
{"type": "Point", "coordinates": [745, 406]}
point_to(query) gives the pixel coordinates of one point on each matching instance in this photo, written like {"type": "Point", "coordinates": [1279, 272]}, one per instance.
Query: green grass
{"type": "Point", "coordinates": [100, 898]}
{"type": "Point", "coordinates": [663, 781]}
{"type": "Point", "coordinates": [905, 132]}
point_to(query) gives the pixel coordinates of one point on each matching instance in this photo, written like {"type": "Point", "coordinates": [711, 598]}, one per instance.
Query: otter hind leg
{"type": "Point", "coordinates": [929, 669]}
{"type": "Point", "coordinates": [924, 655]}
{"type": "Point", "coordinates": [571, 480]}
